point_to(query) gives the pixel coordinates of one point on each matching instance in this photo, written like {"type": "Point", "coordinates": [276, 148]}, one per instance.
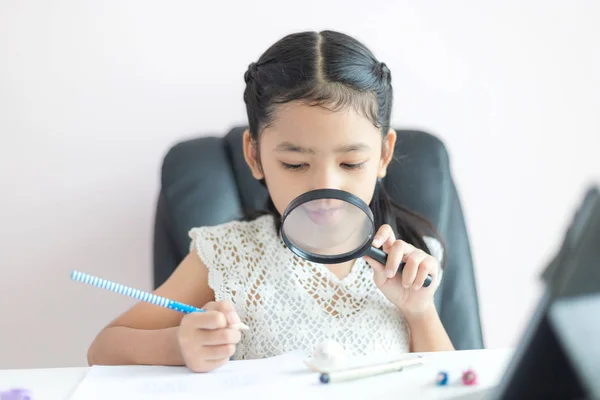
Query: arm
{"type": "Point", "coordinates": [406, 290]}
{"type": "Point", "coordinates": [427, 332]}
{"type": "Point", "coordinates": [148, 334]}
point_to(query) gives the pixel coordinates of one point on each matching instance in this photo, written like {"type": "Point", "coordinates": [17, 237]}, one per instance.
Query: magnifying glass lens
{"type": "Point", "coordinates": [326, 227]}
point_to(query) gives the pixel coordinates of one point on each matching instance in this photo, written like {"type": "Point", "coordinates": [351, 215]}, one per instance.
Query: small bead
{"type": "Point", "coordinates": [441, 379]}
{"type": "Point", "coordinates": [469, 377]}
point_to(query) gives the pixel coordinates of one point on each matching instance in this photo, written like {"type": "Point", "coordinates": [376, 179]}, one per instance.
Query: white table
{"type": "Point", "coordinates": [47, 383]}
{"type": "Point", "coordinates": [59, 383]}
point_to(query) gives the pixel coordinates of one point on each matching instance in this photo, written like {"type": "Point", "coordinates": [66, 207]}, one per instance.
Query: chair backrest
{"type": "Point", "coordinates": [206, 182]}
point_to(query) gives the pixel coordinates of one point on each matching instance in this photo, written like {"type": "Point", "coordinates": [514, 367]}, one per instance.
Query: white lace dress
{"type": "Point", "coordinates": [292, 304]}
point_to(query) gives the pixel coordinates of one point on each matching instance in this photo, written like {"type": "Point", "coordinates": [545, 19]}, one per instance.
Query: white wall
{"type": "Point", "coordinates": [93, 93]}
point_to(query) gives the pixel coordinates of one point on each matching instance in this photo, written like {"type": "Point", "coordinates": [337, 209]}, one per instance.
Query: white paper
{"type": "Point", "coordinates": [154, 382]}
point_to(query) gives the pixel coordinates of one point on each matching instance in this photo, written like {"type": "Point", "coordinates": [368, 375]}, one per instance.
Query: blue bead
{"type": "Point", "coordinates": [441, 379]}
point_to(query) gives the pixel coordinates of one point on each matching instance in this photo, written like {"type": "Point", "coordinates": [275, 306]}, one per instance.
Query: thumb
{"type": "Point", "coordinates": [223, 306]}
{"type": "Point", "coordinates": [227, 308]}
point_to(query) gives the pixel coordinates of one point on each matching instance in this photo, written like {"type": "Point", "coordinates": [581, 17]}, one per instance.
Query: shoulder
{"type": "Point", "coordinates": [261, 225]}
{"type": "Point", "coordinates": [230, 250]}
{"type": "Point", "coordinates": [235, 235]}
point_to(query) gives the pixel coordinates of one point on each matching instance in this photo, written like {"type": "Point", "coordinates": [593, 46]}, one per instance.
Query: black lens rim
{"type": "Point", "coordinates": [328, 194]}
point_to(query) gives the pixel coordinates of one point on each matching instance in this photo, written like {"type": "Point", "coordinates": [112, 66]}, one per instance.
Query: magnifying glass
{"type": "Point", "coordinates": [331, 226]}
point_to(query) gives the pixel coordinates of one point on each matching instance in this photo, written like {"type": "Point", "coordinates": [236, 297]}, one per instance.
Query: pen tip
{"type": "Point", "coordinates": [241, 326]}
{"type": "Point", "coordinates": [324, 378]}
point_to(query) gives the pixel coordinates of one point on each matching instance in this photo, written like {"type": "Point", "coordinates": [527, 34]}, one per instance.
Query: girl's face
{"type": "Point", "coordinates": [310, 147]}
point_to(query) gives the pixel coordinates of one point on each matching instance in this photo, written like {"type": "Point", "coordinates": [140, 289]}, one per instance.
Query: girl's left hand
{"type": "Point", "coordinates": [405, 290]}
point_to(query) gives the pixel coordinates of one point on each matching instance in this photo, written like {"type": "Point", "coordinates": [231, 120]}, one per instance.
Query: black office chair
{"type": "Point", "coordinates": [206, 182]}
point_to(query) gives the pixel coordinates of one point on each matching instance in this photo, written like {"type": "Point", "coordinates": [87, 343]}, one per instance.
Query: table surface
{"type": "Point", "coordinates": [59, 383]}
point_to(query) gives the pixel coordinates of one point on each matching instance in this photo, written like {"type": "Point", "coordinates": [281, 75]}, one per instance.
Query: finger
{"type": "Point", "coordinates": [218, 352]}
{"type": "Point", "coordinates": [223, 306]}
{"type": "Point", "coordinates": [211, 306]}
{"type": "Point", "coordinates": [429, 266]}
{"type": "Point", "coordinates": [379, 276]}
{"type": "Point", "coordinates": [219, 336]}
{"type": "Point", "coordinates": [385, 234]}
{"type": "Point", "coordinates": [206, 365]}
{"type": "Point", "coordinates": [411, 268]}
{"type": "Point", "coordinates": [204, 320]}
{"type": "Point", "coordinates": [395, 257]}
{"type": "Point", "coordinates": [228, 309]}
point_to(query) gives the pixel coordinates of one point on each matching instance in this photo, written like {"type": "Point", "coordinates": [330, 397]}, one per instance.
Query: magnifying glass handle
{"type": "Point", "coordinates": [381, 256]}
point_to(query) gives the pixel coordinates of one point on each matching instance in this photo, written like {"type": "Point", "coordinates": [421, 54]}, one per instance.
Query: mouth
{"type": "Point", "coordinates": [325, 216]}
{"type": "Point", "coordinates": [322, 209]}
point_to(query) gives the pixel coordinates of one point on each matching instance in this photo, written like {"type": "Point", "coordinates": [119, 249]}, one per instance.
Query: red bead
{"type": "Point", "coordinates": [469, 377]}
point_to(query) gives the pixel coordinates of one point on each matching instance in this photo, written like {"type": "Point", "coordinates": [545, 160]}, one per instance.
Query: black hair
{"type": "Point", "coordinates": [333, 70]}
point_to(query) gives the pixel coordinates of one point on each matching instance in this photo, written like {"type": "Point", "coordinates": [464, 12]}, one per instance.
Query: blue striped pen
{"type": "Point", "coordinates": [141, 295]}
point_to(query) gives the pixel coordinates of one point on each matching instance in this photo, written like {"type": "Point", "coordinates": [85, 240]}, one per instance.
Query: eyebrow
{"type": "Point", "coordinates": [290, 147]}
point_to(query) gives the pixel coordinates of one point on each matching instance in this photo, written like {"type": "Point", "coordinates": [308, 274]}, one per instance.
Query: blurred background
{"type": "Point", "coordinates": [92, 95]}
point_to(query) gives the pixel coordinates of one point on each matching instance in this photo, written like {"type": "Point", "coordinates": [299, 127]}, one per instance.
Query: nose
{"type": "Point", "coordinates": [325, 178]}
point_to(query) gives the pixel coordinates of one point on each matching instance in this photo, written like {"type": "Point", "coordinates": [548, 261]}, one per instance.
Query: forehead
{"type": "Point", "coordinates": [304, 124]}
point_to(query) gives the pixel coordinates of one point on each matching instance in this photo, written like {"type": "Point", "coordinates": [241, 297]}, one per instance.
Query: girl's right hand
{"type": "Point", "coordinates": [205, 341]}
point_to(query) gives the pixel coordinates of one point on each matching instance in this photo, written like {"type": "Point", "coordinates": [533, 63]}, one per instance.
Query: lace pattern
{"type": "Point", "coordinates": [290, 303]}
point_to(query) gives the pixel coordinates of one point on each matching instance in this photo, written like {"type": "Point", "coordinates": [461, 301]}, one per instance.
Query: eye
{"type": "Point", "coordinates": [294, 167]}
{"type": "Point", "coordinates": [353, 166]}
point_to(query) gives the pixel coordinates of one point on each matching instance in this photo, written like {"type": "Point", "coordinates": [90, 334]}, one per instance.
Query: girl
{"type": "Point", "coordinates": [319, 109]}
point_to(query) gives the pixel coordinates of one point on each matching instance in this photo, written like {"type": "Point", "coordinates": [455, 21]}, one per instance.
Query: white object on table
{"type": "Point", "coordinates": [284, 376]}
{"type": "Point", "coordinates": [327, 355]}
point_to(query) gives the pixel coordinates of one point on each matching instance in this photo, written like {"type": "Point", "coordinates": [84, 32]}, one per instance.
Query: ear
{"type": "Point", "coordinates": [387, 152]}
{"type": "Point", "coordinates": [251, 156]}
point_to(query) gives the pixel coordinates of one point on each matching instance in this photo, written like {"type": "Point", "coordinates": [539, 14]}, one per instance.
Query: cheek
{"type": "Point", "coordinates": [362, 182]}
{"type": "Point", "coordinates": [363, 186]}
{"type": "Point", "coordinates": [283, 188]}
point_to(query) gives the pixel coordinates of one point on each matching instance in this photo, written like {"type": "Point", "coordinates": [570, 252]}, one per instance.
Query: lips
{"type": "Point", "coordinates": [325, 216]}
{"type": "Point", "coordinates": [322, 209]}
